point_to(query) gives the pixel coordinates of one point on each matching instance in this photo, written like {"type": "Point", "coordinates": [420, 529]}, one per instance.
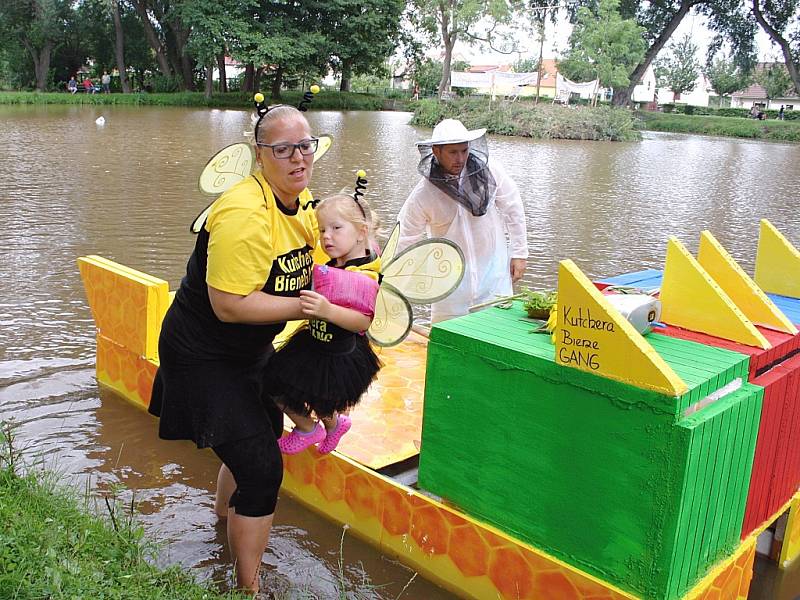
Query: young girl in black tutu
{"type": "Point", "coordinates": [325, 368]}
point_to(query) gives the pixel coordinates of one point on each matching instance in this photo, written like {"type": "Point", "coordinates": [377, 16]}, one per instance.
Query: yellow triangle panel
{"type": "Point", "coordinates": [777, 263]}
{"type": "Point", "coordinates": [691, 299]}
{"type": "Point", "coordinates": [754, 303]}
{"type": "Point", "coordinates": [592, 336]}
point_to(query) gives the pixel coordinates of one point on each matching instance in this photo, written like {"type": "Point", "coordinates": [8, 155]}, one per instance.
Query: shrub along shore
{"type": "Point", "coordinates": [244, 100]}
{"type": "Point", "coordinates": [769, 129]}
{"type": "Point", "coordinates": [521, 118]}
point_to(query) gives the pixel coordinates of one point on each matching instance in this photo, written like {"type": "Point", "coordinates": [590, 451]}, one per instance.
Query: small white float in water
{"type": "Point", "coordinates": [100, 120]}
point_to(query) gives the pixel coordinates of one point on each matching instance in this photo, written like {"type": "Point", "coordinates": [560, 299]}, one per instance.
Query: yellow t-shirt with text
{"type": "Point", "coordinates": [257, 244]}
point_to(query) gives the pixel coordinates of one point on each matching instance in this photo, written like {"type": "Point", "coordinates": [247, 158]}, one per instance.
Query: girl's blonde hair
{"type": "Point", "coordinates": [356, 211]}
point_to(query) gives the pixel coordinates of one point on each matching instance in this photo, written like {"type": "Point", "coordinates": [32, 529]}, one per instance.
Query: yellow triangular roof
{"type": "Point", "coordinates": [691, 299]}
{"type": "Point", "coordinates": [750, 299]}
{"type": "Point", "coordinates": [593, 336]}
{"type": "Point", "coordinates": [777, 263]}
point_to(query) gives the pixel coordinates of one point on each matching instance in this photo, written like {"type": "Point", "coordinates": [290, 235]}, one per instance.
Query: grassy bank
{"type": "Point", "coordinates": [325, 100]}
{"type": "Point", "coordinates": [544, 121]}
{"type": "Point", "coordinates": [784, 131]}
{"type": "Point", "coordinates": [50, 547]}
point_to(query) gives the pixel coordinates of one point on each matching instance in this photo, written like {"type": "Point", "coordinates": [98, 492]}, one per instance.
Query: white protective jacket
{"type": "Point", "coordinates": [487, 250]}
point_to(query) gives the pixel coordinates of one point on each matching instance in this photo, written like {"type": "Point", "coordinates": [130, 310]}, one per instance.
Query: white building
{"type": "Point", "coordinates": [645, 90]}
{"type": "Point", "coordinates": [757, 95]}
{"type": "Point", "coordinates": [699, 96]}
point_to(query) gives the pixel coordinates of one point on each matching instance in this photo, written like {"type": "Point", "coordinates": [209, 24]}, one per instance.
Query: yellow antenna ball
{"type": "Point", "coordinates": [314, 89]}
{"type": "Point", "coordinates": [361, 173]}
{"type": "Point", "coordinates": [259, 97]}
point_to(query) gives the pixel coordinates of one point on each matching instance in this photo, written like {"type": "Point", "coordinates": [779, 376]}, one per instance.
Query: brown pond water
{"type": "Point", "coordinates": [128, 190]}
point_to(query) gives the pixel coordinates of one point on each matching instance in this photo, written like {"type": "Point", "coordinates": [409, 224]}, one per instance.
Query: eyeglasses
{"type": "Point", "coordinates": [283, 151]}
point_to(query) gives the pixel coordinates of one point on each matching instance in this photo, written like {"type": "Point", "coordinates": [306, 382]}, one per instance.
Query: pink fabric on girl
{"type": "Point", "coordinates": [346, 288]}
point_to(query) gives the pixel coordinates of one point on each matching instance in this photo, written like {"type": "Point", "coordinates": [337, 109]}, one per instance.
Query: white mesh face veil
{"type": "Point", "coordinates": [474, 188]}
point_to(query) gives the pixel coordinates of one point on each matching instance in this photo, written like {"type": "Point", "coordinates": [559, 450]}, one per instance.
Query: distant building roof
{"type": "Point", "coordinates": [756, 91]}
{"type": "Point", "coordinates": [752, 91]}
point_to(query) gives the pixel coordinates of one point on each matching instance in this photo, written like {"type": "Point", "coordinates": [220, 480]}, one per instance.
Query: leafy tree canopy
{"type": "Point", "coordinates": [679, 69]}
{"type": "Point", "coordinates": [604, 46]}
{"type": "Point", "coordinates": [725, 76]}
{"type": "Point", "coordinates": [775, 80]}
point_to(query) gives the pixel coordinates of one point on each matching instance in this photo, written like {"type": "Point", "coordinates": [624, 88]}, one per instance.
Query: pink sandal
{"type": "Point", "coordinates": [297, 440]}
{"type": "Point", "coordinates": [332, 438]}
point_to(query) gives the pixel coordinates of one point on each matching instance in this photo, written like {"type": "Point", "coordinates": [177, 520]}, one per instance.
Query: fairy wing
{"type": "Point", "coordinates": [227, 167]}
{"type": "Point", "coordinates": [391, 245]}
{"type": "Point", "coordinates": [324, 144]}
{"type": "Point", "coordinates": [427, 271]}
{"type": "Point", "coordinates": [393, 317]}
{"type": "Point", "coordinates": [230, 166]}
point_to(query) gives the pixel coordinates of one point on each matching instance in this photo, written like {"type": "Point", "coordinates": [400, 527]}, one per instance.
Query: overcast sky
{"type": "Point", "coordinates": [556, 37]}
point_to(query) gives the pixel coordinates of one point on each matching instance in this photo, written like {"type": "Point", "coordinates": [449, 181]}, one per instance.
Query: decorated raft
{"type": "Point", "coordinates": [607, 465]}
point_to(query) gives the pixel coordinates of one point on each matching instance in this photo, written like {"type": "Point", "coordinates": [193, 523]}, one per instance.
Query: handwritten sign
{"type": "Point", "coordinates": [593, 336]}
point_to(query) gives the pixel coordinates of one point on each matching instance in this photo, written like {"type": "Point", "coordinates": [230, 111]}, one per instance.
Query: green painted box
{"type": "Point", "coordinates": [618, 481]}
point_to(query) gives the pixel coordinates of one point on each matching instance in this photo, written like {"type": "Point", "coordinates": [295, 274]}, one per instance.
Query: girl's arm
{"type": "Point", "coordinates": [318, 306]}
{"type": "Point", "coordinates": [257, 308]}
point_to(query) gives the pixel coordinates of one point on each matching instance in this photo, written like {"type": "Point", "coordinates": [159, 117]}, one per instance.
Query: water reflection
{"type": "Point", "coordinates": [128, 191]}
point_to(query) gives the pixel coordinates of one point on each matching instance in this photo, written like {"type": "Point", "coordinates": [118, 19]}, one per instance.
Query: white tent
{"type": "Point", "coordinates": [493, 82]}
{"type": "Point", "coordinates": [565, 88]}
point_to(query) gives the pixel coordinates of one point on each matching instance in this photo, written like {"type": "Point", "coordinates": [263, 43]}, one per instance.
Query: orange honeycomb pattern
{"type": "Point", "coordinates": [127, 305]}
{"type": "Point", "coordinates": [467, 557]}
{"type": "Point", "coordinates": [731, 580]}
{"type": "Point", "coordinates": [387, 423]}
{"type": "Point", "coordinates": [126, 372]}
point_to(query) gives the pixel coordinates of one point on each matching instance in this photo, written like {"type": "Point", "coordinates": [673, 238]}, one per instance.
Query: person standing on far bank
{"type": "Point", "coordinates": [467, 198]}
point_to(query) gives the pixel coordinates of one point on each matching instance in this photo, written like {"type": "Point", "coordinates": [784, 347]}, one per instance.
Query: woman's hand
{"type": "Point", "coordinates": [315, 305]}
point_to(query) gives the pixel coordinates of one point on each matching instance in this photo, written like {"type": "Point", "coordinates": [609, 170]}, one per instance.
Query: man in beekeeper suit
{"type": "Point", "coordinates": [470, 200]}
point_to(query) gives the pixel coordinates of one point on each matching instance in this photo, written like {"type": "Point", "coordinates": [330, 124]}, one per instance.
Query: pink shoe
{"type": "Point", "coordinates": [343, 424]}
{"type": "Point", "coordinates": [297, 441]}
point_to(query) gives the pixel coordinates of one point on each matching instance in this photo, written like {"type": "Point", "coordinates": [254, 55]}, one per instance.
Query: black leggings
{"type": "Point", "coordinates": [257, 467]}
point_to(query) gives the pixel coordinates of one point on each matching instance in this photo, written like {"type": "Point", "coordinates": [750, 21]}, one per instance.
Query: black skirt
{"type": "Point", "coordinates": [212, 402]}
{"type": "Point", "coordinates": [307, 375]}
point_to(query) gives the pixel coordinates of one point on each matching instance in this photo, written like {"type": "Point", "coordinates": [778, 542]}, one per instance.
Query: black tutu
{"type": "Point", "coordinates": [306, 375]}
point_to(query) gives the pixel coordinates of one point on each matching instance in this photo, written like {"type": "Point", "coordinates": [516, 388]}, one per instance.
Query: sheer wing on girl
{"type": "Point", "coordinates": [425, 272]}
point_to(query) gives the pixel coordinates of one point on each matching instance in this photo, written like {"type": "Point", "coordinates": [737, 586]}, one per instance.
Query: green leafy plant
{"type": "Point", "coordinates": [538, 304]}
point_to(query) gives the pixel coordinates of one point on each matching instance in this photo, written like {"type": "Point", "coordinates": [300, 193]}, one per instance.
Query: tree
{"type": "Point", "coordinates": [603, 46]}
{"type": "Point", "coordinates": [679, 70]}
{"type": "Point", "coordinates": [774, 78]}
{"type": "Point", "coordinates": [526, 65]}
{"type": "Point", "coordinates": [727, 19]}
{"type": "Point", "coordinates": [38, 25]}
{"type": "Point", "coordinates": [286, 37]}
{"type": "Point", "coordinates": [460, 19]}
{"type": "Point", "coordinates": [361, 35]}
{"type": "Point", "coordinates": [780, 20]}
{"type": "Point", "coordinates": [119, 47]}
{"type": "Point", "coordinates": [724, 76]}
{"type": "Point", "coordinates": [168, 36]}
{"type": "Point", "coordinates": [212, 24]}
{"type": "Point", "coordinates": [427, 75]}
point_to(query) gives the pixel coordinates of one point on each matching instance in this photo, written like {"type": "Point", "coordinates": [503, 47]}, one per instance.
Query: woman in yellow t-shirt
{"type": "Point", "coordinates": [251, 259]}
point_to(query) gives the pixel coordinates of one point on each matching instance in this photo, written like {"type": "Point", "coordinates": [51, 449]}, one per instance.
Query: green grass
{"type": "Point", "coordinates": [53, 546]}
{"type": "Point", "coordinates": [784, 131]}
{"type": "Point", "coordinates": [58, 544]}
{"type": "Point", "coordinates": [325, 100]}
{"type": "Point", "coordinates": [543, 121]}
